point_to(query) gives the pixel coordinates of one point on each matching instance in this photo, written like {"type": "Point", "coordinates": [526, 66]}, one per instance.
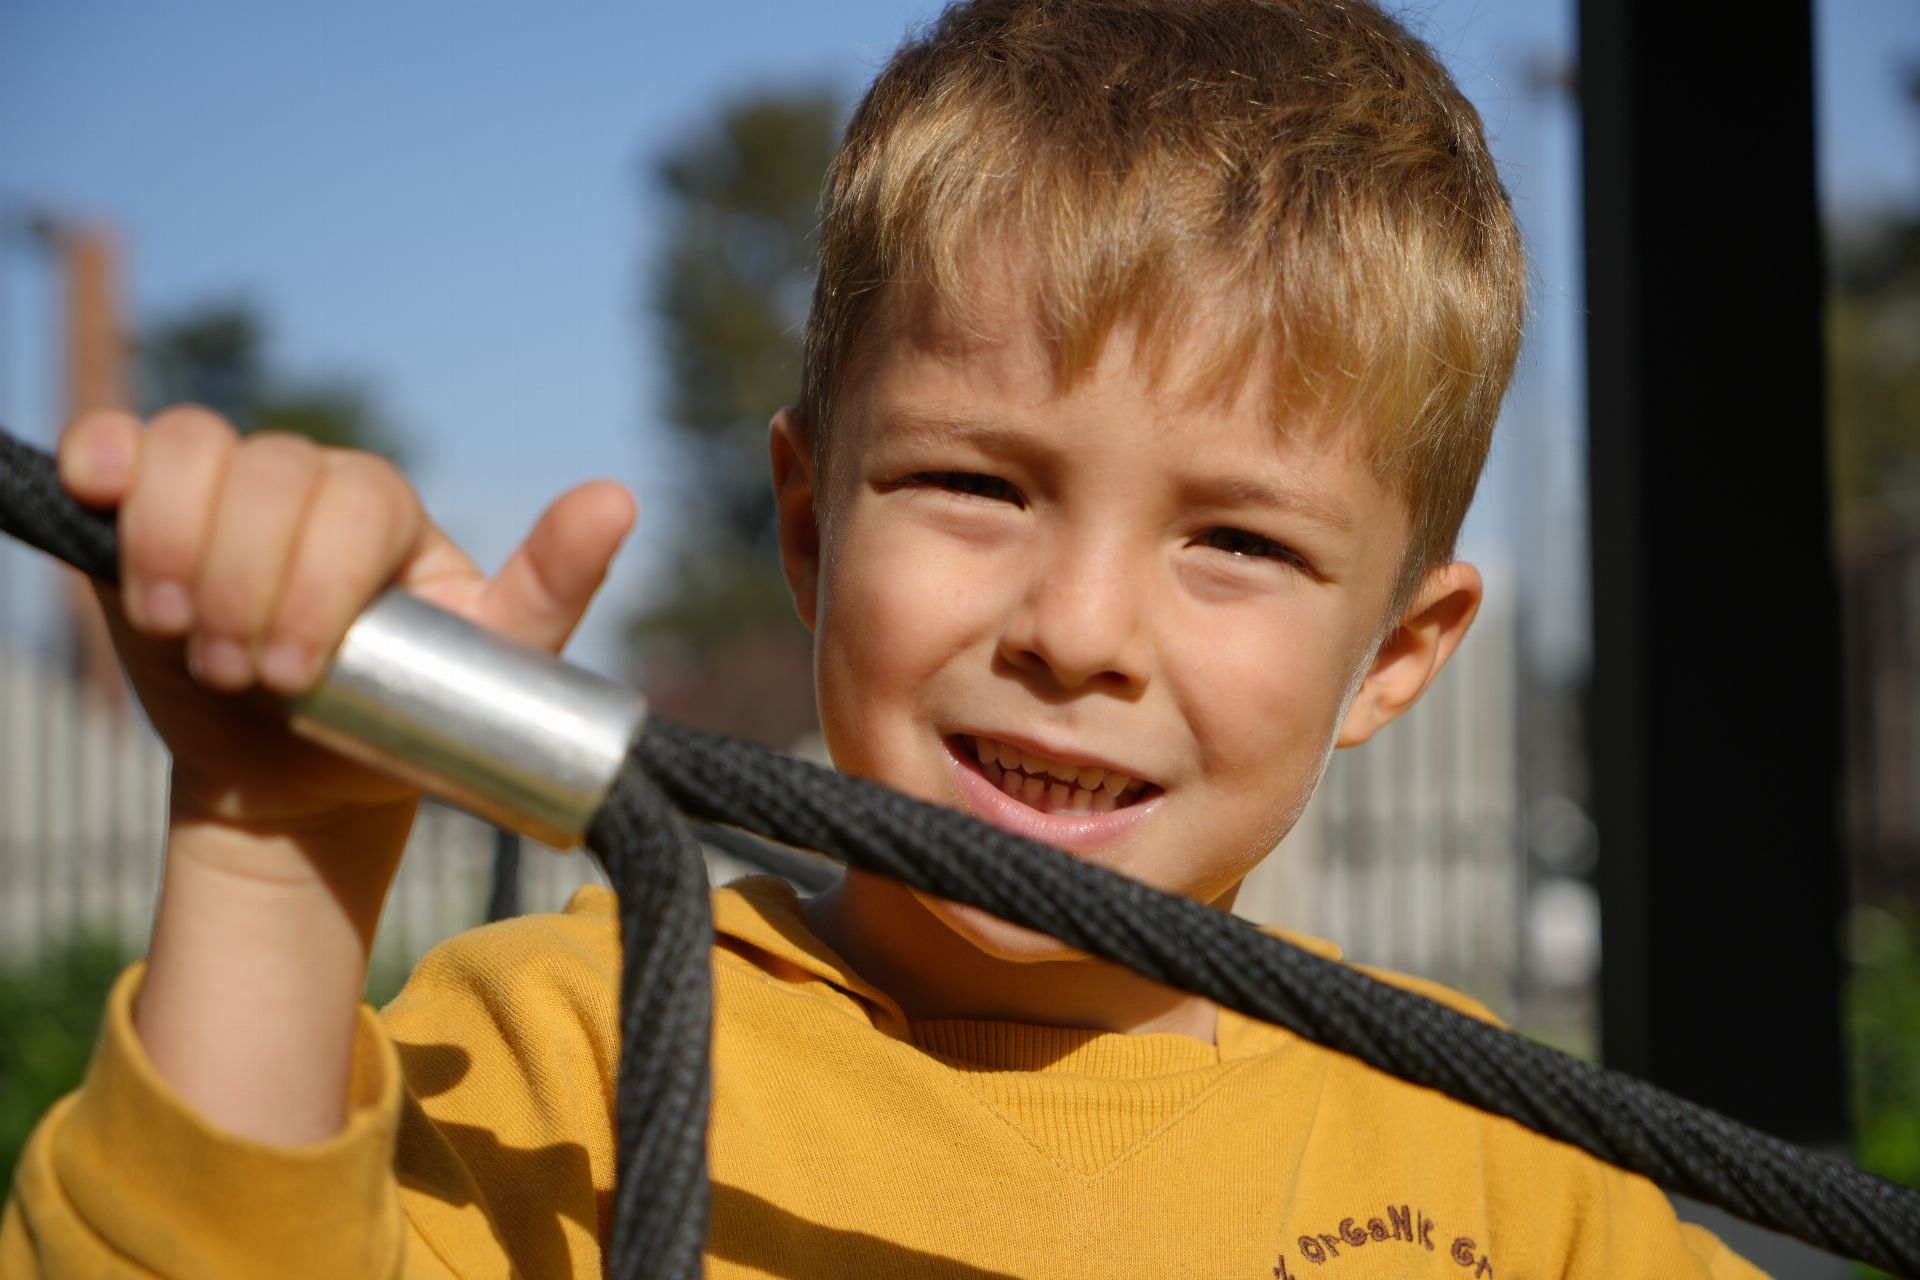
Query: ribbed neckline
{"type": "Point", "coordinates": [1018, 1046]}
{"type": "Point", "coordinates": [765, 912]}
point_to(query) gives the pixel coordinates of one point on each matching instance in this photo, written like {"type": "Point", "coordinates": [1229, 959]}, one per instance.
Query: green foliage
{"type": "Point", "coordinates": [1873, 354]}
{"type": "Point", "coordinates": [210, 356]}
{"type": "Point", "coordinates": [50, 1010]}
{"type": "Point", "coordinates": [733, 287]}
{"type": "Point", "coordinates": [731, 291]}
{"type": "Point", "coordinates": [1873, 371]}
{"type": "Point", "coordinates": [1883, 1033]}
{"type": "Point", "coordinates": [1883, 1021]}
{"type": "Point", "coordinates": [215, 355]}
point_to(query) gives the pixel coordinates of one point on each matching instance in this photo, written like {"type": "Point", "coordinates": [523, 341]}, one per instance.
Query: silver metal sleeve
{"type": "Point", "coordinates": [506, 732]}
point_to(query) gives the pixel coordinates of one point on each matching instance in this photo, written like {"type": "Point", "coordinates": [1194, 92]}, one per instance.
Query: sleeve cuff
{"type": "Point", "coordinates": [159, 1183]}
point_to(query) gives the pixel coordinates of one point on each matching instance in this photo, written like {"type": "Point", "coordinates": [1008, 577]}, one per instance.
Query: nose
{"type": "Point", "coordinates": [1081, 622]}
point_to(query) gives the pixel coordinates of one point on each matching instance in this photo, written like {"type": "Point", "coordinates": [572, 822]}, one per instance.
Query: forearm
{"type": "Point", "coordinates": [258, 961]}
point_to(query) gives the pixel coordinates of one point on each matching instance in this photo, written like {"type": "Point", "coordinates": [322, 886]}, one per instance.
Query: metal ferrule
{"type": "Point", "coordinates": [507, 732]}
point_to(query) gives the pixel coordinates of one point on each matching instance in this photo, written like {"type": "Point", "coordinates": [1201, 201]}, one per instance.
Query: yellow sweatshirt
{"type": "Point", "coordinates": [845, 1142]}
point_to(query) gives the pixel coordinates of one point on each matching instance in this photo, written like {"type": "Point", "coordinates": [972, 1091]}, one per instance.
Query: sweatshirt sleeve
{"type": "Point", "coordinates": [478, 1140]}
{"type": "Point", "coordinates": [509, 1045]}
{"type": "Point", "coordinates": [123, 1178]}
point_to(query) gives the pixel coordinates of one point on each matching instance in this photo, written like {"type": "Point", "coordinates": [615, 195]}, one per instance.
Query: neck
{"type": "Point", "coordinates": [924, 964]}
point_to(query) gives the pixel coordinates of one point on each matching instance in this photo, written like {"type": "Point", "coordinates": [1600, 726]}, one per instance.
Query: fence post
{"type": "Point", "coordinates": [503, 899]}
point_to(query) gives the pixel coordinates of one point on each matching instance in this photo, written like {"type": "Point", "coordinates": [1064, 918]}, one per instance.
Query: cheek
{"type": "Point", "coordinates": [1266, 724]}
{"type": "Point", "coordinates": [1265, 702]}
{"type": "Point", "coordinates": [903, 615]}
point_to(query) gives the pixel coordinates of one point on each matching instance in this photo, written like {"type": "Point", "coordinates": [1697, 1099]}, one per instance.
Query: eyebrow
{"type": "Point", "coordinates": [1311, 504]}
{"type": "Point", "coordinates": [1226, 490]}
{"type": "Point", "coordinates": [945, 428]}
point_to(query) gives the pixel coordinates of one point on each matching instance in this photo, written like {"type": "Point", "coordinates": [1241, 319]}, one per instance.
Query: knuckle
{"type": "Point", "coordinates": [373, 489]}
{"type": "Point", "coordinates": [285, 443]}
{"type": "Point", "coordinates": [96, 423]}
{"type": "Point", "coordinates": [364, 470]}
{"type": "Point", "coordinates": [192, 426]}
{"type": "Point", "coordinates": [277, 460]}
{"type": "Point", "coordinates": [97, 453]}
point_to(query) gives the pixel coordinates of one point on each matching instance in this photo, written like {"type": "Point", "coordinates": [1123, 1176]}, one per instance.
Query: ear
{"type": "Point", "coordinates": [1414, 651]}
{"type": "Point", "coordinates": [790, 441]}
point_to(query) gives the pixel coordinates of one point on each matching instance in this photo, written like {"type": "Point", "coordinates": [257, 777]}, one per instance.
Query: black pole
{"type": "Point", "coordinates": [1715, 707]}
{"type": "Point", "coordinates": [503, 898]}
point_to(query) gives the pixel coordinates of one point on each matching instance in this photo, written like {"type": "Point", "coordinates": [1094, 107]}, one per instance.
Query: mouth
{"type": "Point", "coordinates": [1049, 785]}
{"type": "Point", "coordinates": [1073, 804]}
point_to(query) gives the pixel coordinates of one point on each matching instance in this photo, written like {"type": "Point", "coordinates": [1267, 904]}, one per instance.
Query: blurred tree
{"type": "Point", "coordinates": [1883, 1005]}
{"type": "Point", "coordinates": [721, 647]}
{"type": "Point", "coordinates": [1873, 364]}
{"type": "Point", "coordinates": [215, 355]}
{"type": "Point", "coordinates": [1873, 351]}
{"type": "Point", "coordinates": [1873, 373]}
{"type": "Point", "coordinates": [209, 355]}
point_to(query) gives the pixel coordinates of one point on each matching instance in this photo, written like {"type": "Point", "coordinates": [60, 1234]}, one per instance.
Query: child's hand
{"type": "Point", "coordinates": [244, 561]}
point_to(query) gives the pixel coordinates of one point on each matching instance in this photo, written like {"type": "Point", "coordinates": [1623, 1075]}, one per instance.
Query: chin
{"type": "Point", "coordinates": [995, 937]}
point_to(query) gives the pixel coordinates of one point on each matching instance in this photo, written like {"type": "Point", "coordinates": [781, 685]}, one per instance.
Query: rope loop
{"type": "Point", "coordinates": [666, 928]}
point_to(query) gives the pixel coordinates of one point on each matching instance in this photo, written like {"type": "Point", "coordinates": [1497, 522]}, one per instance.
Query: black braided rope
{"type": "Point", "coordinates": [34, 509]}
{"type": "Point", "coordinates": [666, 1021]}
{"type": "Point", "coordinates": [1622, 1120]}
{"type": "Point", "coordinates": [663, 1089]}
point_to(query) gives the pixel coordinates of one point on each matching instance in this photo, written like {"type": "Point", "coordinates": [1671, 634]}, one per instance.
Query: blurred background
{"type": "Point", "coordinates": [518, 247]}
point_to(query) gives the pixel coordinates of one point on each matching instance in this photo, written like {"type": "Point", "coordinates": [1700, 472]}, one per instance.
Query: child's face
{"type": "Point", "coordinates": [1118, 578]}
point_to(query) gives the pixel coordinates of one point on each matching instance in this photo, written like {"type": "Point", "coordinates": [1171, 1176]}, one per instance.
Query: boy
{"type": "Point", "coordinates": [1154, 357]}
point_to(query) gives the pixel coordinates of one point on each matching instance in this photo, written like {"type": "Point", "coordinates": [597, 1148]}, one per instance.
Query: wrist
{"type": "Point", "coordinates": [340, 862]}
{"type": "Point", "coordinates": [219, 801]}
{"type": "Point", "coordinates": [259, 956]}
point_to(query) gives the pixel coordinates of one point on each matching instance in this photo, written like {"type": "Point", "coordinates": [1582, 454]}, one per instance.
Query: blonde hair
{"type": "Point", "coordinates": [1305, 171]}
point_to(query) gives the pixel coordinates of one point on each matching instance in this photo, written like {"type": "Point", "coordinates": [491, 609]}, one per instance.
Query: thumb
{"type": "Point", "coordinates": [540, 595]}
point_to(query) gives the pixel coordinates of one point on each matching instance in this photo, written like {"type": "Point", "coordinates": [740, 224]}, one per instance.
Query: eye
{"type": "Point", "coordinates": [971, 483]}
{"type": "Point", "coordinates": [1252, 546]}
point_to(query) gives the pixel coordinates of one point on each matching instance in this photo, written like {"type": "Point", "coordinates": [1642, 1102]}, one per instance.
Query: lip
{"type": "Point", "coordinates": [1074, 833]}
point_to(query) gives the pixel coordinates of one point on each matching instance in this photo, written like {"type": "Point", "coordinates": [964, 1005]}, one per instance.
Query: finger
{"type": "Point", "coordinates": [542, 592]}
{"type": "Point", "coordinates": [363, 521]}
{"type": "Point", "coordinates": [97, 456]}
{"type": "Point", "coordinates": [262, 504]}
{"type": "Point", "coordinates": [165, 518]}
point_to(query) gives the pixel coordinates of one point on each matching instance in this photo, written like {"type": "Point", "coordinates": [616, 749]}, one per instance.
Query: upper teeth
{"type": "Point", "coordinates": [1087, 777]}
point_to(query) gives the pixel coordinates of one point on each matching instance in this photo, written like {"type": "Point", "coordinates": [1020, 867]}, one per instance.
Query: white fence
{"type": "Point", "coordinates": [82, 827]}
{"type": "Point", "coordinates": [1409, 854]}
{"type": "Point", "coordinates": [82, 803]}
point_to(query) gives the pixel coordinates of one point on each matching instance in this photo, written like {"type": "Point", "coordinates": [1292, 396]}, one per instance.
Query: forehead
{"type": "Point", "coordinates": [928, 365]}
{"type": "Point", "coordinates": [1213, 336]}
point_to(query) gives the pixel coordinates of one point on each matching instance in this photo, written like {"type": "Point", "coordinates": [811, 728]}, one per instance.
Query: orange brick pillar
{"type": "Point", "coordinates": [96, 378]}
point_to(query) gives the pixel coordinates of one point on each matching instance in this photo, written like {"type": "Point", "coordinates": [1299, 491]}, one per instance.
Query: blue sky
{"type": "Point", "coordinates": [447, 201]}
